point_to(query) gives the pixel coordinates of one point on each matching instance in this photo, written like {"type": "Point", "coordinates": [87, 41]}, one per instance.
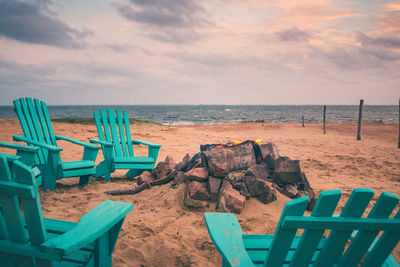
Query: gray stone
{"type": "Point", "coordinates": [290, 190]}
{"type": "Point", "coordinates": [256, 186]}
{"type": "Point", "coordinates": [179, 179]}
{"type": "Point", "coordinates": [241, 187]}
{"type": "Point", "coordinates": [287, 172]}
{"type": "Point", "coordinates": [235, 177]}
{"type": "Point", "coordinates": [213, 187]}
{"type": "Point", "coordinates": [270, 154]}
{"type": "Point", "coordinates": [230, 200]}
{"type": "Point", "coordinates": [198, 191]}
{"type": "Point", "coordinates": [267, 197]}
{"type": "Point", "coordinates": [193, 203]}
{"type": "Point", "coordinates": [258, 171]}
{"type": "Point", "coordinates": [197, 174]}
{"type": "Point", "coordinates": [170, 161]}
{"type": "Point", "coordinates": [161, 170]}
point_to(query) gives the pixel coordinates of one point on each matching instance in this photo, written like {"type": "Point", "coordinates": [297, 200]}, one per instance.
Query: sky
{"type": "Point", "coordinates": [133, 52]}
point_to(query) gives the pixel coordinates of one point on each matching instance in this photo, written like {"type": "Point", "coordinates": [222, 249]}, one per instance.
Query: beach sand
{"type": "Point", "coordinates": [160, 231]}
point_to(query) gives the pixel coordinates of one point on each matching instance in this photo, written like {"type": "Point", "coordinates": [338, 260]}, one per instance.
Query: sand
{"type": "Point", "coordinates": [160, 231]}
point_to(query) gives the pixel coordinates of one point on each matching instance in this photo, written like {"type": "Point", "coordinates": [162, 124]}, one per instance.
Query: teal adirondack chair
{"type": "Point", "coordinates": [117, 144]}
{"type": "Point", "coordinates": [312, 248]}
{"type": "Point", "coordinates": [38, 131]}
{"type": "Point", "coordinates": [27, 239]}
{"type": "Point", "coordinates": [25, 154]}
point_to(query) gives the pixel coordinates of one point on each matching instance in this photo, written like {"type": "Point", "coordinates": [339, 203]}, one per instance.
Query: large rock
{"type": "Point", "coordinates": [179, 179]}
{"type": "Point", "coordinates": [268, 196]}
{"type": "Point", "coordinates": [270, 154]}
{"type": "Point", "coordinates": [197, 174]}
{"type": "Point", "coordinates": [305, 189]}
{"type": "Point", "coordinates": [213, 187]}
{"type": "Point", "coordinates": [170, 161]}
{"type": "Point", "coordinates": [242, 188]}
{"type": "Point", "coordinates": [256, 186]}
{"type": "Point", "coordinates": [198, 191]}
{"type": "Point", "coordinates": [287, 172]}
{"type": "Point", "coordinates": [145, 177]}
{"type": "Point", "coordinates": [193, 203]}
{"type": "Point", "coordinates": [230, 200]}
{"type": "Point", "coordinates": [290, 190]}
{"type": "Point", "coordinates": [258, 171]}
{"type": "Point", "coordinates": [221, 161]}
{"type": "Point", "coordinates": [235, 177]}
{"type": "Point", "coordinates": [161, 170]}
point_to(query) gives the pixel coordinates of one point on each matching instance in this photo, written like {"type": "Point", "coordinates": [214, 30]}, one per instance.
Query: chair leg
{"type": "Point", "coordinates": [102, 251]}
{"type": "Point", "coordinates": [133, 173]}
{"type": "Point", "coordinates": [84, 180]}
{"type": "Point", "coordinates": [104, 169]}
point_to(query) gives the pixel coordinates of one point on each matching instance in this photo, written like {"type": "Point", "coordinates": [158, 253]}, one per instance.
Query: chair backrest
{"type": "Point", "coordinates": [21, 220]}
{"type": "Point", "coordinates": [113, 126]}
{"type": "Point", "coordinates": [349, 225]}
{"type": "Point", "coordinates": [35, 123]}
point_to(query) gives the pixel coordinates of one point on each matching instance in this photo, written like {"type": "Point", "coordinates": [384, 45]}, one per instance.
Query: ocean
{"type": "Point", "coordinates": [213, 114]}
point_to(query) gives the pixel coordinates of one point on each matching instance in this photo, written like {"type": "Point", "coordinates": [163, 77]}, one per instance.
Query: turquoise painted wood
{"type": "Point", "coordinates": [28, 239]}
{"type": "Point", "coordinates": [25, 154]}
{"type": "Point", "coordinates": [115, 139]}
{"type": "Point", "coordinates": [323, 241]}
{"type": "Point", "coordinates": [38, 132]}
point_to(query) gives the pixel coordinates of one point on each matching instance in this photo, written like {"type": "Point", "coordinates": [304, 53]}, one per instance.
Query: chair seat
{"type": "Point", "coordinates": [79, 164]}
{"type": "Point", "coordinates": [145, 160]}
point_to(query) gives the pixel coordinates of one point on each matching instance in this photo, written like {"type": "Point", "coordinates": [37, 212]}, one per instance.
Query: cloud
{"type": "Point", "coordinates": [170, 21]}
{"type": "Point", "coordinates": [293, 34]}
{"type": "Point", "coordinates": [34, 23]}
{"type": "Point", "coordinates": [389, 42]}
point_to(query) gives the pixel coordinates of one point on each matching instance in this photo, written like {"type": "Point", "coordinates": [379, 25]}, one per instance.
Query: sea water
{"type": "Point", "coordinates": [211, 114]}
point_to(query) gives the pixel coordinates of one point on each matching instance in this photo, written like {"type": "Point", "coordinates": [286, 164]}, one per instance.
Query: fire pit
{"type": "Point", "coordinates": [229, 174]}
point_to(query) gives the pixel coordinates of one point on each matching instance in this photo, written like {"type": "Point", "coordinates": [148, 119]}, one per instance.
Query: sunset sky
{"type": "Point", "coordinates": [200, 52]}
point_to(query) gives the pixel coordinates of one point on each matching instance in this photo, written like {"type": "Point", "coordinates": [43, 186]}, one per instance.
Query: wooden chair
{"type": "Point", "coordinates": [117, 144]}
{"type": "Point", "coordinates": [25, 154]}
{"type": "Point", "coordinates": [38, 131]}
{"type": "Point", "coordinates": [28, 239]}
{"type": "Point", "coordinates": [312, 248]}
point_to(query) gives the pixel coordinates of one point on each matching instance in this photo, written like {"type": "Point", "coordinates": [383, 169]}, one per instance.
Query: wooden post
{"type": "Point", "coordinates": [398, 146]}
{"type": "Point", "coordinates": [359, 119]}
{"type": "Point", "coordinates": [302, 121]}
{"type": "Point", "coordinates": [324, 119]}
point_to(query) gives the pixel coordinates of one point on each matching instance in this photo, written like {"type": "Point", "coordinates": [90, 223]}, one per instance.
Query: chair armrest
{"type": "Point", "coordinates": [77, 142]}
{"type": "Point", "coordinates": [225, 232]}
{"type": "Point", "coordinates": [37, 143]}
{"type": "Point", "coordinates": [138, 142]}
{"type": "Point", "coordinates": [19, 147]}
{"type": "Point", "coordinates": [91, 226]}
{"type": "Point", "coordinates": [103, 143]}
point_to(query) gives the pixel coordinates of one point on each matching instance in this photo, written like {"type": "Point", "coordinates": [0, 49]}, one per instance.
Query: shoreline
{"type": "Point", "coordinates": [161, 231]}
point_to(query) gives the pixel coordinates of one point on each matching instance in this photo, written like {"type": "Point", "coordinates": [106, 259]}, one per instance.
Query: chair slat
{"type": "Point", "coordinates": [114, 132]}
{"type": "Point", "coordinates": [106, 125]}
{"type": "Point", "coordinates": [382, 248]}
{"type": "Point", "coordinates": [325, 206]}
{"type": "Point", "coordinates": [42, 121]}
{"type": "Point", "coordinates": [337, 239]}
{"type": "Point", "coordinates": [360, 244]}
{"type": "Point", "coordinates": [36, 126]}
{"type": "Point", "coordinates": [99, 127]}
{"type": "Point", "coordinates": [48, 123]}
{"type": "Point", "coordinates": [128, 134]}
{"type": "Point", "coordinates": [283, 238]}
{"type": "Point", "coordinates": [122, 133]}
{"type": "Point", "coordinates": [32, 209]}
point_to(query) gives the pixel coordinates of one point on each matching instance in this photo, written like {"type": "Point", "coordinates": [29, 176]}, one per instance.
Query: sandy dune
{"type": "Point", "coordinates": [160, 231]}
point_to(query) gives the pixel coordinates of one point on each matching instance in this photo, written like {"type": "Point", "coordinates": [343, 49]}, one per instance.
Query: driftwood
{"type": "Point", "coordinates": [140, 188]}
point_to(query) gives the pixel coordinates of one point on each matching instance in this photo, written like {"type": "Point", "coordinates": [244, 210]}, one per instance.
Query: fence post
{"type": "Point", "coordinates": [359, 119]}
{"type": "Point", "coordinates": [302, 121]}
{"type": "Point", "coordinates": [324, 119]}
